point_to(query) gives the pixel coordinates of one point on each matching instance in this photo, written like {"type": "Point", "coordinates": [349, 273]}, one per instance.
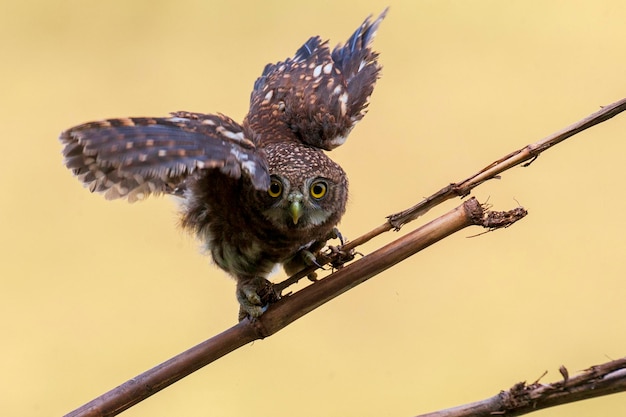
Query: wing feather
{"type": "Point", "coordinates": [359, 65]}
{"type": "Point", "coordinates": [318, 95]}
{"type": "Point", "coordinates": [134, 157]}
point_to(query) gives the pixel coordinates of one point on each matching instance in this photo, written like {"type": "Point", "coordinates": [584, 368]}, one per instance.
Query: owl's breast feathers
{"type": "Point", "coordinates": [226, 216]}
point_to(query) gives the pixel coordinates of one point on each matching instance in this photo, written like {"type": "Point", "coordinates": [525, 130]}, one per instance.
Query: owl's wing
{"type": "Point", "coordinates": [320, 94]}
{"type": "Point", "coordinates": [358, 64]}
{"type": "Point", "coordinates": [134, 157]}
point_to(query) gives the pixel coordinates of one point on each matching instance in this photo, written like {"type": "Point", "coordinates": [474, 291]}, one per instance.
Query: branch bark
{"type": "Point", "coordinates": [294, 306]}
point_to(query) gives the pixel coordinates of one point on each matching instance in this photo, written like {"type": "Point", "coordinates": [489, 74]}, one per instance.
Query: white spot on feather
{"type": "Point", "coordinates": [328, 68]}
{"type": "Point", "coordinates": [249, 167]}
{"type": "Point", "coordinates": [338, 140]}
{"type": "Point", "coordinates": [317, 71]}
{"type": "Point", "coordinates": [343, 103]}
{"type": "Point", "coordinates": [230, 135]}
{"type": "Point", "coordinates": [244, 161]}
{"type": "Point", "coordinates": [178, 119]}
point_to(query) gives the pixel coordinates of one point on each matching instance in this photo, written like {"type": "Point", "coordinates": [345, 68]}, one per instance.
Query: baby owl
{"type": "Point", "coordinates": [259, 193]}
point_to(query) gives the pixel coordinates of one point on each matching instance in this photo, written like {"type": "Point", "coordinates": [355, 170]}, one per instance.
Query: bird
{"type": "Point", "coordinates": [257, 194]}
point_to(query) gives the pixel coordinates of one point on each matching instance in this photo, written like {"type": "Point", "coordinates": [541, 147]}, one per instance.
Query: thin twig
{"type": "Point", "coordinates": [607, 378]}
{"type": "Point", "coordinates": [528, 153]}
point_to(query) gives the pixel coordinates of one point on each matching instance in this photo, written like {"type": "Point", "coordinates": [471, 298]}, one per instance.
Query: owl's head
{"type": "Point", "coordinates": [307, 190]}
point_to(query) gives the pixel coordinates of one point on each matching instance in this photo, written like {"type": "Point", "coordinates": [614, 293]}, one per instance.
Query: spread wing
{"type": "Point", "coordinates": [134, 157]}
{"type": "Point", "coordinates": [358, 64]}
{"type": "Point", "coordinates": [318, 94]}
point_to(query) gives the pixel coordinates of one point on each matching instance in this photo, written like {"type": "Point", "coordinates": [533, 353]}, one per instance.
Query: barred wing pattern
{"type": "Point", "coordinates": [134, 157]}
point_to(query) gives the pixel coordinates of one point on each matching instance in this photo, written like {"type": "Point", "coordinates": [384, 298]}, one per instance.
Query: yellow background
{"type": "Point", "coordinates": [96, 292]}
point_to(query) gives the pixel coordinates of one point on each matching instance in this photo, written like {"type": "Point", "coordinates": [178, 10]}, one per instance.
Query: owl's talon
{"type": "Point", "coordinates": [254, 296]}
{"type": "Point", "coordinates": [337, 235]}
{"type": "Point", "coordinates": [310, 259]}
{"type": "Point", "coordinates": [317, 264]}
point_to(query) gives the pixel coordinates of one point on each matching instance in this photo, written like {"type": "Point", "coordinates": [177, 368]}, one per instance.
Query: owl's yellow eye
{"type": "Point", "coordinates": [276, 189]}
{"type": "Point", "coordinates": [318, 189]}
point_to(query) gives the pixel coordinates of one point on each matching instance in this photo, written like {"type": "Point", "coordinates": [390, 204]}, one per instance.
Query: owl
{"type": "Point", "coordinates": [257, 194]}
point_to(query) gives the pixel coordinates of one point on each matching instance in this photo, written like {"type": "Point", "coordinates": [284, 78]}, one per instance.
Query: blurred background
{"type": "Point", "coordinates": [95, 292]}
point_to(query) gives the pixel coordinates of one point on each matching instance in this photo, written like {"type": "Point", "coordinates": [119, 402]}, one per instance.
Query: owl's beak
{"type": "Point", "coordinates": [295, 209]}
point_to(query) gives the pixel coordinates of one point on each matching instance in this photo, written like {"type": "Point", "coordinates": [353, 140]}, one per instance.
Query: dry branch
{"type": "Point", "coordinates": [528, 153]}
{"type": "Point", "coordinates": [287, 310]}
{"type": "Point", "coordinates": [294, 306]}
{"type": "Point", "coordinates": [522, 398]}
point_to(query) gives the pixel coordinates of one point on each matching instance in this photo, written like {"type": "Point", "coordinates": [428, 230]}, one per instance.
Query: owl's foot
{"type": "Point", "coordinates": [254, 296]}
{"type": "Point", "coordinates": [340, 256]}
{"type": "Point", "coordinates": [310, 259]}
{"type": "Point", "coordinates": [336, 234]}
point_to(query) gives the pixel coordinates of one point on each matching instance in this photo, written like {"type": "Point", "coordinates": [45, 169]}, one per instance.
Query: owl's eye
{"type": "Point", "coordinates": [276, 189]}
{"type": "Point", "coordinates": [318, 189]}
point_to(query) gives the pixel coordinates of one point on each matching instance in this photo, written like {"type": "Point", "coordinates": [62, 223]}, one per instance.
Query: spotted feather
{"type": "Point", "coordinates": [318, 95]}
{"type": "Point", "coordinates": [134, 157]}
